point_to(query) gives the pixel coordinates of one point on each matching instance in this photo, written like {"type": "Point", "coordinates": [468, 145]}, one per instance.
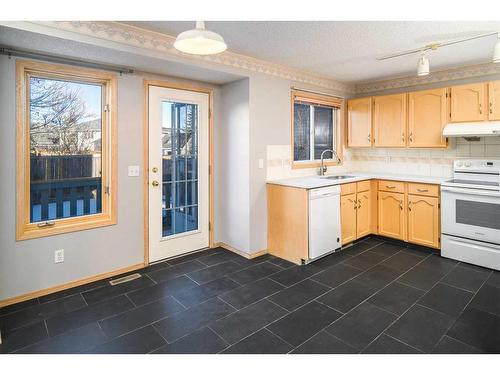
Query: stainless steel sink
{"type": "Point", "coordinates": [338, 177]}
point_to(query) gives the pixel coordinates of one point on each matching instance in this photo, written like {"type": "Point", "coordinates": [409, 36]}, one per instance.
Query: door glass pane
{"type": "Point", "coordinates": [65, 148]}
{"type": "Point", "coordinates": [301, 131]}
{"type": "Point", "coordinates": [323, 131]}
{"type": "Point", "coordinates": [480, 214]}
{"type": "Point", "coordinates": [180, 167]}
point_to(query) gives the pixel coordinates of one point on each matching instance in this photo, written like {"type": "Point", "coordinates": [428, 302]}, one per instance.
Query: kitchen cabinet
{"type": "Point", "coordinates": [423, 220]}
{"type": "Point", "coordinates": [348, 218]}
{"type": "Point", "coordinates": [359, 122]}
{"type": "Point", "coordinates": [494, 100]}
{"type": "Point", "coordinates": [389, 120]}
{"type": "Point", "coordinates": [468, 102]}
{"type": "Point", "coordinates": [427, 116]}
{"type": "Point", "coordinates": [391, 215]}
{"type": "Point", "coordinates": [356, 211]}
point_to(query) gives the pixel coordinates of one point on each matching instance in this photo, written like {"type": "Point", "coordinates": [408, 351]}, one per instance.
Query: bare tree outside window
{"type": "Point", "coordinates": [65, 148]}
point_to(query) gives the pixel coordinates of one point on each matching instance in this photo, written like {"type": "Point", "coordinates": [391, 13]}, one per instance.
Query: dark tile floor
{"type": "Point", "coordinates": [374, 297]}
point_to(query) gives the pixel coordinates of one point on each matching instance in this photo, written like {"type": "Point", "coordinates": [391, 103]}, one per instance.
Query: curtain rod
{"type": "Point", "coordinates": [317, 92]}
{"type": "Point", "coordinates": [9, 51]}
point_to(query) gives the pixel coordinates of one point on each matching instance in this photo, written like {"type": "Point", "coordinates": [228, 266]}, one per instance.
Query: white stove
{"type": "Point", "coordinates": [470, 213]}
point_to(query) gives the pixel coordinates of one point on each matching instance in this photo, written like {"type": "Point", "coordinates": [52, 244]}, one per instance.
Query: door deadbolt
{"type": "Point", "coordinates": [155, 170]}
{"type": "Point", "coordinates": [155, 183]}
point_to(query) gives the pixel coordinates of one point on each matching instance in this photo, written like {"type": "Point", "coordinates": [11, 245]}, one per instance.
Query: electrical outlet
{"type": "Point", "coordinates": [59, 256]}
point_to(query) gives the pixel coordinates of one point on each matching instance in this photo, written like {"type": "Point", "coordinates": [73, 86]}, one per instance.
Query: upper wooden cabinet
{"type": "Point", "coordinates": [494, 100]}
{"type": "Point", "coordinates": [468, 102]}
{"type": "Point", "coordinates": [359, 120]}
{"type": "Point", "coordinates": [427, 116]}
{"type": "Point", "coordinates": [389, 120]}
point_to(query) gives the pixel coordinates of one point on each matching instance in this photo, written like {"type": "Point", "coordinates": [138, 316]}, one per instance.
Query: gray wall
{"type": "Point", "coordinates": [27, 266]}
{"type": "Point", "coordinates": [232, 210]}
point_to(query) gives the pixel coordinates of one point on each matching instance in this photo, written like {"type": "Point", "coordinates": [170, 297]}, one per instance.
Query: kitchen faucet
{"type": "Point", "coordinates": [323, 168]}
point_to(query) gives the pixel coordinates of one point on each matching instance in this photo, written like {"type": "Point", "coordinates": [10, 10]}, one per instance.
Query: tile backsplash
{"type": "Point", "coordinates": [425, 162]}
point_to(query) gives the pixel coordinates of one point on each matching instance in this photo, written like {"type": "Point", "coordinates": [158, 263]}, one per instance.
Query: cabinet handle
{"type": "Point", "coordinates": [422, 190]}
{"type": "Point", "coordinates": [480, 109]}
{"type": "Point", "coordinates": [491, 107]}
{"type": "Point", "coordinates": [409, 206]}
{"type": "Point", "coordinates": [359, 203]}
{"type": "Point", "coordinates": [411, 137]}
{"type": "Point", "coordinates": [403, 137]}
{"type": "Point", "coordinates": [390, 186]}
{"type": "Point", "coordinates": [369, 138]}
{"type": "Point", "coordinates": [401, 205]}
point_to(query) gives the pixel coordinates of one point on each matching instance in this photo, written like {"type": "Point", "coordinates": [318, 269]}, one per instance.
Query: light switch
{"type": "Point", "coordinates": [261, 163]}
{"type": "Point", "coordinates": [133, 171]}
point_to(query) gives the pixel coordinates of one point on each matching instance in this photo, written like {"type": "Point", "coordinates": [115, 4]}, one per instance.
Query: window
{"type": "Point", "coordinates": [316, 127]}
{"type": "Point", "coordinates": [65, 149]}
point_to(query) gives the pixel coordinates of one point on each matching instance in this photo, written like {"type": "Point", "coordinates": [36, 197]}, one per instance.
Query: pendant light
{"type": "Point", "coordinates": [423, 65]}
{"type": "Point", "coordinates": [200, 41]}
{"type": "Point", "coordinates": [496, 51]}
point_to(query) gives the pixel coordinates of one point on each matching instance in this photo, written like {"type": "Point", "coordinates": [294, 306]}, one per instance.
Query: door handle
{"type": "Point", "coordinates": [155, 183]}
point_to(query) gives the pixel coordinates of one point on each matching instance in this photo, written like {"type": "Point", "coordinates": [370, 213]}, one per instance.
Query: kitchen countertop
{"type": "Point", "coordinates": [313, 182]}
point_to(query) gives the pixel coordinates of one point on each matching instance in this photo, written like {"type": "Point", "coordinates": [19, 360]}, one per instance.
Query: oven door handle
{"type": "Point", "coordinates": [486, 193]}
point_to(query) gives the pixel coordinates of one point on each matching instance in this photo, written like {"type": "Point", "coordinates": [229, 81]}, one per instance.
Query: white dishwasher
{"type": "Point", "coordinates": [324, 221]}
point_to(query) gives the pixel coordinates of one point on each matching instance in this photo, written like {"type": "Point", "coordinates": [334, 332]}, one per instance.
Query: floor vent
{"type": "Point", "coordinates": [125, 279]}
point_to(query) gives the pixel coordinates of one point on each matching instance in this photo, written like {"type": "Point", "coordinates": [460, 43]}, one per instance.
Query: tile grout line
{"type": "Point", "coordinates": [415, 303]}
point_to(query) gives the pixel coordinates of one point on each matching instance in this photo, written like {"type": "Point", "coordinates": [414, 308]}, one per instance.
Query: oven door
{"type": "Point", "coordinates": [471, 213]}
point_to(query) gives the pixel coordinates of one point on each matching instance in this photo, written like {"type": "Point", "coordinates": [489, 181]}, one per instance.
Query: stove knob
{"type": "Point", "coordinates": [467, 164]}
{"type": "Point", "coordinates": [460, 164]}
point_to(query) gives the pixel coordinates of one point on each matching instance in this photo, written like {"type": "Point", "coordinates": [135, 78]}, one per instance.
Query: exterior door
{"type": "Point", "coordinates": [178, 172]}
{"type": "Point", "coordinates": [359, 122]}
{"type": "Point", "coordinates": [427, 117]}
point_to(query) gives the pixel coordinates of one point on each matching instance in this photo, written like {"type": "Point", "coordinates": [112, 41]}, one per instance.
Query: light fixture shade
{"type": "Point", "coordinates": [423, 66]}
{"type": "Point", "coordinates": [200, 41]}
{"type": "Point", "coordinates": [496, 51]}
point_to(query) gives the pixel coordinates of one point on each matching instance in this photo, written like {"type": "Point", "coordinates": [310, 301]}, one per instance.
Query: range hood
{"type": "Point", "coordinates": [472, 129]}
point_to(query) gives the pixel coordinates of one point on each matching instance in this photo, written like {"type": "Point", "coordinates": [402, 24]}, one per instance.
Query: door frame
{"type": "Point", "coordinates": [145, 168]}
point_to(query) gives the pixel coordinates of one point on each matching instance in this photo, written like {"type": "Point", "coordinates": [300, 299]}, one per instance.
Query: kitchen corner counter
{"type": "Point", "coordinates": [313, 182]}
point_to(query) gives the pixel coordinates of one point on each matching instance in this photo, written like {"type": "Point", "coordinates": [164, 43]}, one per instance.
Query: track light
{"type": "Point", "coordinates": [423, 65]}
{"type": "Point", "coordinates": [496, 51]}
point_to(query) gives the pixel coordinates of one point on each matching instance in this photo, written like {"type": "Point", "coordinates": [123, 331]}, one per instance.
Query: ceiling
{"type": "Point", "coordinates": [347, 50]}
{"type": "Point", "coordinates": [30, 41]}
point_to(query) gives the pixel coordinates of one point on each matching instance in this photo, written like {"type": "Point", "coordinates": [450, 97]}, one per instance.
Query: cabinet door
{"type": "Point", "coordinates": [391, 215]}
{"type": "Point", "coordinates": [389, 121]}
{"type": "Point", "coordinates": [359, 122]}
{"type": "Point", "coordinates": [494, 100]}
{"type": "Point", "coordinates": [427, 115]}
{"type": "Point", "coordinates": [348, 218]}
{"type": "Point", "coordinates": [468, 102]}
{"type": "Point", "coordinates": [363, 214]}
{"type": "Point", "coordinates": [423, 220]}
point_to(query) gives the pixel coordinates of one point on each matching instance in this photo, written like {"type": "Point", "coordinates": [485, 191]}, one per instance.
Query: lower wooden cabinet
{"type": "Point", "coordinates": [423, 220]}
{"type": "Point", "coordinates": [348, 217]}
{"type": "Point", "coordinates": [356, 211]}
{"type": "Point", "coordinates": [391, 215]}
{"type": "Point", "coordinates": [363, 214]}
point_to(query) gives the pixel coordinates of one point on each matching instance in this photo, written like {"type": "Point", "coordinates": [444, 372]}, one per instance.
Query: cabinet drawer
{"type": "Point", "coordinates": [423, 189]}
{"type": "Point", "coordinates": [394, 186]}
{"type": "Point", "coordinates": [363, 186]}
{"type": "Point", "coordinates": [348, 188]}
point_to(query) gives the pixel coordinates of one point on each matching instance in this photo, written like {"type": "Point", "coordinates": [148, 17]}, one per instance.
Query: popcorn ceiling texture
{"type": "Point", "coordinates": [424, 162]}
